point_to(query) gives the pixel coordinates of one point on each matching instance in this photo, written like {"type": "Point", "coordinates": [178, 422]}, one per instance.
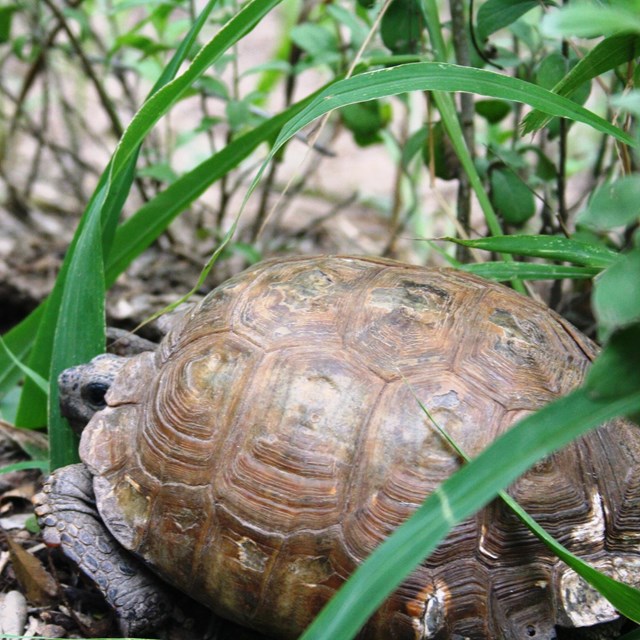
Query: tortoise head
{"type": "Point", "coordinates": [83, 388]}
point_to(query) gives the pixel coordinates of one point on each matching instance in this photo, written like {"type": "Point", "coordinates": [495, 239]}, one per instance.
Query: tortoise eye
{"type": "Point", "coordinates": [94, 394]}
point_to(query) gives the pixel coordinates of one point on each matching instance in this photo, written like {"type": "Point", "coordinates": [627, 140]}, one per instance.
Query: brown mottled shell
{"type": "Point", "coordinates": [274, 440]}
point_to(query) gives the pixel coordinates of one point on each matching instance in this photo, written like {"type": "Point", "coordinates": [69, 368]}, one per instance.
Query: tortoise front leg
{"type": "Point", "coordinates": [69, 518]}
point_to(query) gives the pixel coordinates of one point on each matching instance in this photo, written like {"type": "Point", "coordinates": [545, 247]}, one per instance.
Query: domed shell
{"type": "Point", "coordinates": [274, 439]}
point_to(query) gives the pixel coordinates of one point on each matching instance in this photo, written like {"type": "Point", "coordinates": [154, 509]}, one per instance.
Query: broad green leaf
{"type": "Point", "coordinates": [511, 197]}
{"type": "Point", "coordinates": [616, 373]}
{"type": "Point", "coordinates": [315, 39]}
{"type": "Point", "coordinates": [606, 55]}
{"type": "Point", "coordinates": [459, 497]}
{"type": "Point", "coordinates": [616, 295]}
{"type": "Point", "coordinates": [614, 204]}
{"type": "Point", "coordinates": [492, 110]}
{"type": "Point", "coordinates": [365, 120]}
{"type": "Point", "coordinates": [494, 15]}
{"type": "Point", "coordinates": [401, 27]}
{"type": "Point", "coordinates": [590, 20]}
{"type": "Point", "coordinates": [551, 70]}
{"type": "Point", "coordinates": [502, 271]}
{"type": "Point", "coordinates": [549, 247]}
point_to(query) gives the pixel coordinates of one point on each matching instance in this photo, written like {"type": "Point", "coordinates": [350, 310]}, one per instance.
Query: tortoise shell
{"type": "Point", "coordinates": [274, 440]}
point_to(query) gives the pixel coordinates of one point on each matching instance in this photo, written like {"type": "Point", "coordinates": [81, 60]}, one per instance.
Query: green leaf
{"type": "Point", "coordinates": [548, 247]}
{"type": "Point", "coordinates": [502, 271]}
{"type": "Point", "coordinates": [511, 197]}
{"type": "Point", "coordinates": [551, 70]}
{"type": "Point", "coordinates": [459, 497]}
{"type": "Point", "coordinates": [615, 373]}
{"type": "Point", "coordinates": [19, 341]}
{"type": "Point", "coordinates": [606, 55]}
{"type": "Point", "coordinates": [162, 172]}
{"type": "Point", "coordinates": [590, 20]}
{"type": "Point", "coordinates": [315, 39]}
{"type": "Point", "coordinates": [614, 204]}
{"type": "Point", "coordinates": [6, 18]}
{"type": "Point", "coordinates": [493, 111]}
{"type": "Point", "coordinates": [79, 332]}
{"type": "Point", "coordinates": [365, 120]}
{"type": "Point", "coordinates": [616, 295]}
{"type": "Point", "coordinates": [401, 26]}
{"type": "Point", "coordinates": [494, 15]}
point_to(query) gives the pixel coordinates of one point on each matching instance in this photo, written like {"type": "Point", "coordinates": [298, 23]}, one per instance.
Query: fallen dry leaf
{"type": "Point", "coordinates": [36, 582]}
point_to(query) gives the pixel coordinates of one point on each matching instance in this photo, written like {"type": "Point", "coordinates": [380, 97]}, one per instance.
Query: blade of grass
{"type": "Point", "coordinates": [159, 103]}
{"type": "Point", "coordinates": [436, 76]}
{"type": "Point", "coordinates": [41, 465]}
{"type": "Point", "coordinates": [37, 379]}
{"type": "Point", "coordinates": [146, 224]}
{"type": "Point", "coordinates": [79, 331]}
{"type": "Point", "coordinates": [502, 271]}
{"type": "Point", "coordinates": [459, 497]}
{"type": "Point", "coordinates": [606, 55]}
{"type": "Point", "coordinates": [549, 247]}
{"type": "Point", "coordinates": [114, 189]}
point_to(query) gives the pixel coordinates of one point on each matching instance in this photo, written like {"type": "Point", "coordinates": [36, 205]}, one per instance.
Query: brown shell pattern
{"type": "Point", "coordinates": [274, 440]}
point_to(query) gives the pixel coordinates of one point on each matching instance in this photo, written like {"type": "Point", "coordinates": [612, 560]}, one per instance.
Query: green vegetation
{"type": "Point", "coordinates": [491, 80]}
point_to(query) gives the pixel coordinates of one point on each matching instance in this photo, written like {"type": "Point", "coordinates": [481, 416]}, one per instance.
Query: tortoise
{"type": "Point", "coordinates": [274, 439]}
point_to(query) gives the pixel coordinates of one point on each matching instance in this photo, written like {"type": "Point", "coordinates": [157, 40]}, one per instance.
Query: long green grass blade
{"type": "Point", "coordinates": [606, 55]}
{"type": "Point", "coordinates": [459, 497]}
{"type": "Point", "coordinates": [161, 101]}
{"type": "Point", "coordinates": [436, 76]}
{"type": "Point", "coordinates": [41, 465]}
{"type": "Point", "coordinates": [106, 204]}
{"type": "Point", "coordinates": [37, 379]}
{"type": "Point", "coordinates": [79, 332]}
{"type": "Point", "coordinates": [146, 224]}
{"type": "Point", "coordinates": [549, 247]}
{"type": "Point", "coordinates": [502, 271]}
{"type": "Point", "coordinates": [19, 341]}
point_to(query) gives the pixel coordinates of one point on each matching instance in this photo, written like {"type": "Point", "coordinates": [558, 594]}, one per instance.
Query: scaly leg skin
{"type": "Point", "coordinates": [69, 518]}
